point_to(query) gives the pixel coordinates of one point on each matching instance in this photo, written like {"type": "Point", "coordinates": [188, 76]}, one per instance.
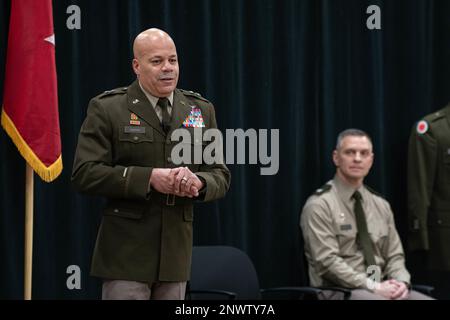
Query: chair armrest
{"type": "Point", "coordinates": [298, 290]}
{"type": "Point", "coordinates": [422, 288]}
{"type": "Point", "coordinates": [347, 292]}
{"type": "Point", "coordinates": [228, 294]}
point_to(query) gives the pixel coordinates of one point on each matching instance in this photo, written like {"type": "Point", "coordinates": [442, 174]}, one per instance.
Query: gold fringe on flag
{"type": "Point", "coordinates": [48, 174]}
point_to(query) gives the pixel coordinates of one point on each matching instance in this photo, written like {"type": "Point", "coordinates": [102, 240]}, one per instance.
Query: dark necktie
{"type": "Point", "coordinates": [165, 123]}
{"type": "Point", "coordinates": [363, 235]}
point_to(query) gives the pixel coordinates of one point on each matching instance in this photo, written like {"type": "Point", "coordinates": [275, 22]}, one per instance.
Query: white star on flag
{"type": "Point", "coordinates": [51, 39]}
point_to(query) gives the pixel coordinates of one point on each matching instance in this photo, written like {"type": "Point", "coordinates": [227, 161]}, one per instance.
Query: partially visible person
{"type": "Point", "coordinates": [429, 199]}
{"type": "Point", "coordinates": [144, 244]}
{"type": "Point", "coordinates": [349, 231]}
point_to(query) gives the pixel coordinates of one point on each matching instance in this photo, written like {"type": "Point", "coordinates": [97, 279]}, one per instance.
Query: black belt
{"type": "Point", "coordinates": [168, 199]}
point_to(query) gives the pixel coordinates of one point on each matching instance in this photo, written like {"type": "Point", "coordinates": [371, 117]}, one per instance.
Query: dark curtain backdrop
{"type": "Point", "coordinates": [307, 67]}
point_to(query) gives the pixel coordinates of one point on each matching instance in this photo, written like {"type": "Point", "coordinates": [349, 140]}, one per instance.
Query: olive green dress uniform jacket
{"type": "Point", "coordinates": [329, 229]}
{"type": "Point", "coordinates": [144, 235]}
{"type": "Point", "coordinates": [429, 189]}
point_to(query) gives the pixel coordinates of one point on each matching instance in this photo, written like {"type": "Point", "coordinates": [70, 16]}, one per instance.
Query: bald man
{"type": "Point", "coordinates": [144, 244]}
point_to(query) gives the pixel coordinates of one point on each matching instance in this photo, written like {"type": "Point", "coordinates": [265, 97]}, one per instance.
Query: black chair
{"type": "Point", "coordinates": [422, 288]}
{"type": "Point", "coordinates": [223, 272]}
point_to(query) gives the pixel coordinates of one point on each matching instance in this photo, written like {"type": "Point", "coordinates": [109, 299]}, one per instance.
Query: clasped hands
{"type": "Point", "coordinates": [178, 181]}
{"type": "Point", "coordinates": [392, 289]}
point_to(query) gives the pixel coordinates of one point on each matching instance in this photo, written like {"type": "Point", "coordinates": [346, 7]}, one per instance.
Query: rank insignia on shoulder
{"type": "Point", "coordinates": [322, 190]}
{"type": "Point", "coordinates": [422, 127]}
{"type": "Point", "coordinates": [194, 94]}
{"type": "Point", "coordinates": [113, 92]}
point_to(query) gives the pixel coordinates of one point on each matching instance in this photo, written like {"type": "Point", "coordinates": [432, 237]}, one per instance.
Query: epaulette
{"type": "Point", "coordinates": [113, 92]}
{"type": "Point", "coordinates": [374, 192]}
{"type": "Point", "coordinates": [435, 116]}
{"type": "Point", "coordinates": [193, 94]}
{"type": "Point", "coordinates": [324, 189]}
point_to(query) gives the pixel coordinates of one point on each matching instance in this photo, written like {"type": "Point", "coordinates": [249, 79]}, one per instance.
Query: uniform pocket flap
{"type": "Point", "coordinates": [135, 134]}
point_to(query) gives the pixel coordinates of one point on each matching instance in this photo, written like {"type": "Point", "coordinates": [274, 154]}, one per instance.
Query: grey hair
{"type": "Point", "coordinates": [351, 132]}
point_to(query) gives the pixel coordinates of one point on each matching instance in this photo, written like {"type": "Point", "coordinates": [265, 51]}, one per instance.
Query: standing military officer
{"type": "Point", "coordinates": [144, 245]}
{"type": "Point", "coordinates": [429, 194]}
{"type": "Point", "coordinates": [349, 230]}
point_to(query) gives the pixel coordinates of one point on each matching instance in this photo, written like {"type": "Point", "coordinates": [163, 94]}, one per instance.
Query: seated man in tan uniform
{"type": "Point", "coordinates": [349, 231]}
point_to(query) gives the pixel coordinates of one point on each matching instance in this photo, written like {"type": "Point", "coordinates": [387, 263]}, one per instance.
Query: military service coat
{"type": "Point", "coordinates": [144, 235]}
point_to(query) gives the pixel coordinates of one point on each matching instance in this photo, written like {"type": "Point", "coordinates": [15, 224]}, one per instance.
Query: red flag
{"type": "Point", "coordinates": [30, 103]}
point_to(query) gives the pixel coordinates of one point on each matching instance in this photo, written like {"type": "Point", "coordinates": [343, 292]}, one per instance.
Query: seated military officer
{"type": "Point", "coordinates": [349, 231]}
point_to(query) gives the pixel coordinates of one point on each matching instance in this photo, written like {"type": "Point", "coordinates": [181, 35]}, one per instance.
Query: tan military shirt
{"type": "Point", "coordinates": [329, 229]}
{"type": "Point", "coordinates": [154, 101]}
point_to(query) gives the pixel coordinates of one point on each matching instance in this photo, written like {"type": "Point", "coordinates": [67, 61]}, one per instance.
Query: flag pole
{"type": "Point", "coordinates": [29, 190]}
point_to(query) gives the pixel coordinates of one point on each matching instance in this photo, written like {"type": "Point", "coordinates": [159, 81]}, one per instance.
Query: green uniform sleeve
{"type": "Point", "coordinates": [93, 170]}
{"type": "Point", "coordinates": [422, 153]}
